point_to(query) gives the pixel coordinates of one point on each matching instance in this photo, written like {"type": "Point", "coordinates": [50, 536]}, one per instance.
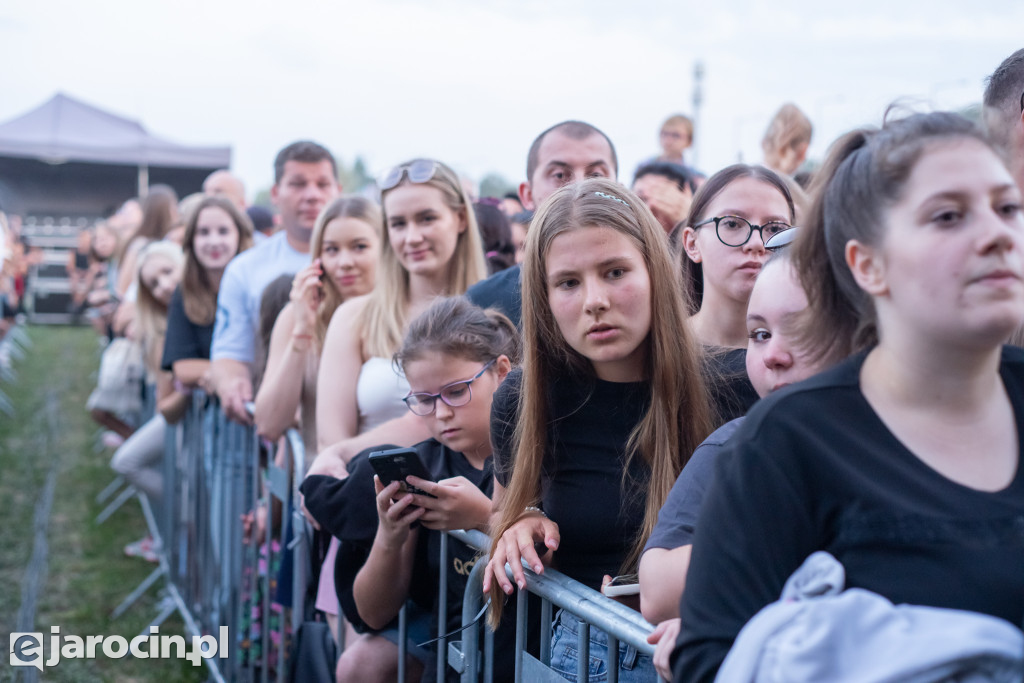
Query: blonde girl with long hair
{"type": "Point", "coordinates": [591, 434]}
{"type": "Point", "coordinates": [138, 458]}
{"type": "Point", "coordinates": [432, 248]}
{"type": "Point", "coordinates": [345, 250]}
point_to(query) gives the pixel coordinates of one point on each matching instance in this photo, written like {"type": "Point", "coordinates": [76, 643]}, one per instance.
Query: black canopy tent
{"type": "Point", "coordinates": [69, 158]}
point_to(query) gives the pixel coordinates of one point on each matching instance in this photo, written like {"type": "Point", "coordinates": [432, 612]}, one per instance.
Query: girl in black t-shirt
{"type": "Point", "coordinates": [454, 356]}
{"type": "Point", "coordinates": [610, 399]}
{"type": "Point", "coordinates": [216, 232]}
{"type": "Point", "coordinates": [902, 462]}
{"type": "Point", "coordinates": [732, 216]}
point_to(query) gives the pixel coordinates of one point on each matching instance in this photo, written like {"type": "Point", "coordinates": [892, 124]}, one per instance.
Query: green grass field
{"type": "Point", "coordinates": [86, 573]}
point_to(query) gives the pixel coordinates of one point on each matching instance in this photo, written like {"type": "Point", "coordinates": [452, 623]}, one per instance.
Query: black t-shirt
{"type": "Point", "coordinates": [732, 394]}
{"type": "Point", "coordinates": [347, 508]}
{"type": "Point", "coordinates": [502, 291]}
{"type": "Point", "coordinates": [677, 518]}
{"type": "Point", "coordinates": [184, 338]}
{"type": "Point", "coordinates": [813, 467]}
{"type": "Point", "coordinates": [582, 488]}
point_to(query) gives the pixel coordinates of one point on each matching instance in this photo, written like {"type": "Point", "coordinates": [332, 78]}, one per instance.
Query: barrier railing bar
{"type": "Point", "coordinates": [583, 654]}
{"type": "Point", "coordinates": [520, 634]}
{"type": "Point", "coordinates": [403, 629]}
{"type": "Point", "coordinates": [590, 606]}
{"type": "Point", "coordinates": [115, 504]}
{"type": "Point", "coordinates": [442, 611]}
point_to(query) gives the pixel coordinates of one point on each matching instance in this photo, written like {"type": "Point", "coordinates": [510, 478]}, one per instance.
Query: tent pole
{"type": "Point", "coordinates": [143, 180]}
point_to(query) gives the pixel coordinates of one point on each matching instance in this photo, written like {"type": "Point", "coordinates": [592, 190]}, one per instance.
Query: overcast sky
{"type": "Point", "coordinates": [471, 83]}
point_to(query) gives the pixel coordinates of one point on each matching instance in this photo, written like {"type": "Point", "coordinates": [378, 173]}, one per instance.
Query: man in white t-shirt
{"type": "Point", "coordinates": [305, 180]}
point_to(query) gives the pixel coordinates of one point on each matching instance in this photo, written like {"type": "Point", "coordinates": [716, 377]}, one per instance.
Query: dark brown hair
{"type": "Point", "coordinates": [863, 175]}
{"type": "Point", "coordinates": [574, 130]}
{"type": "Point", "coordinates": [455, 327]}
{"type": "Point", "coordinates": [197, 291]}
{"type": "Point", "coordinates": [693, 274]}
{"type": "Point", "coordinates": [159, 207]}
{"type": "Point", "coordinates": [303, 151]}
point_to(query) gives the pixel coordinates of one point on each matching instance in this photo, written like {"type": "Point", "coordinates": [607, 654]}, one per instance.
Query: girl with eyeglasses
{"type": "Point", "coordinates": [903, 461]}
{"type": "Point", "coordinates": [732, 216]}
{"type": "Point", "coordinates": [610, 398]}
{"type": "Point", "coordinates": [432, 248]}
{"type": "Point", "coordinates": [454, 356]}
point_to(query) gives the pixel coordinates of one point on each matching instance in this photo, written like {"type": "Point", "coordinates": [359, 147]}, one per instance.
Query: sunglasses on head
{"type": "Point", "coordinates": [419, 171]}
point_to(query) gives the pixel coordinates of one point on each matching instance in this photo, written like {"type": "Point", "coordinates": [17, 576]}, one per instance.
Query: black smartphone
{"type": "Point", "coordinates": [397, 464]}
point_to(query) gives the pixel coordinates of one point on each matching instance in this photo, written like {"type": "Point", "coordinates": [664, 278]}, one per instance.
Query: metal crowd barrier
{"type": "Point", "coordinates": [12, 348]}
{"type": "Point", "coordinates": [593, 609]}
{"type": "Point", "coordinates": [212, 477]}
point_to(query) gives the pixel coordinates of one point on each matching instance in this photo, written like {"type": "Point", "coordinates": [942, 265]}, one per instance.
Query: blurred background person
{"type": "Point", "coordinates": [786, 141]}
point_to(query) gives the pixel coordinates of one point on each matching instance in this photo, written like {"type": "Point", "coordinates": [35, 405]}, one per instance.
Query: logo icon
{"type": "Point", "coordinates": [27, 650]}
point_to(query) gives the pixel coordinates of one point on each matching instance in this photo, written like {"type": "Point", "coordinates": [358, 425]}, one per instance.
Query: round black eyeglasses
{"type": "Point", "coordinates": [734, 231]}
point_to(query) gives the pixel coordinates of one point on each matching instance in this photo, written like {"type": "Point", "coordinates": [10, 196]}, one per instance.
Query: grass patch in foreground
{"type": "Point", "coordinates": [87, 574]}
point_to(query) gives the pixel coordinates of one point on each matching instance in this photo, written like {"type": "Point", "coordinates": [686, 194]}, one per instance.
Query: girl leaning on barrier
{"type": "Point", "coordinates": [138, 458]}
{"type": "Point", "coordinates": [903, 461]}
{"type": "Point", "coordinates": [216, 232]}
{"type": "Point", "coordinates": [454, 356]}
{"type": "Point", "coordinates": [591, 434]}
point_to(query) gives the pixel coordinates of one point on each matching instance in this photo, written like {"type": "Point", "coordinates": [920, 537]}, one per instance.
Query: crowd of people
{"type": "Point", "coordinates": [690, 384]}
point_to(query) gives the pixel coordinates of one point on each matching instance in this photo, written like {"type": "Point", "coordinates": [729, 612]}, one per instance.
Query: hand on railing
{"type": "Point", "coordinates": [519, 543]}
{"type": "Point", "coordinates": [306, 513]}
{"type": "Point", "coordinates": [254, 524]}
{"type": "Point", "coordinates": [664, 636]}
{"type": "Point", "coordinates": [457, 503]}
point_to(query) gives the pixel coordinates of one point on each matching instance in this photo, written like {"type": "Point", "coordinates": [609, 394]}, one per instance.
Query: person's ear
{"type": "Point", "coordinates": [690, 246]}
{"type": "Point", "coordinates": [502, 366]}
{"type": "Point", "coordinates": [463, 221]}
{"type": "Point", "coordinates": [273, 194]}
{"type": "Point", "coordinates": [867, 267]}
{"type": "Point", "coordinates": [526, 196]}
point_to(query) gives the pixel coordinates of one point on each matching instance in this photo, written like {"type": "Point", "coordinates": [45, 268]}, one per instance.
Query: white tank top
{"type": "Point", "coordinates": [379, 393]}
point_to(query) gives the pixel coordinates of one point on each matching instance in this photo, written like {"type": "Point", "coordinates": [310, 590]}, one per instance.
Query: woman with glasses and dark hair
{"type": "Point", "coordinates": [432, 248]}
{"type": "Point", "coordinates": [732, 216]}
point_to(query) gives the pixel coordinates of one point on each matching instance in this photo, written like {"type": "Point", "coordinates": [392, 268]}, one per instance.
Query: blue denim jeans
{"type": "Point", "coordinates": [633, 666]}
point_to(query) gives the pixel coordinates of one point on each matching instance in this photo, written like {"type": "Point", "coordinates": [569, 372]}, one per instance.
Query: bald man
{"type": "Point", "coordinates": [222, 183]}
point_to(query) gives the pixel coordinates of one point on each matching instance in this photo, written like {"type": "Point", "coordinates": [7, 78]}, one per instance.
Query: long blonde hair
{"type": "Point", "coordinates": [383, 320]}
{"type": "Point", "coordinates": [151, 313]}
{"type": "Point", "coordinates": [342, 207]}
{"type": "Point", "coordinates": [679, 416]}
